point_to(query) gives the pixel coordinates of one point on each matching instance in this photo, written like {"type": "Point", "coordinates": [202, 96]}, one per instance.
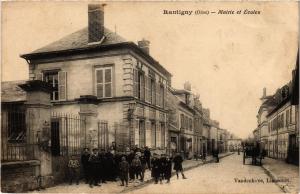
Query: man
{"type": "Point", "coordinates": [124, 169]}
{"type": "Point", "coordinates": [162, 167]}
{"type": "Point", "coordinates": [102, 167]}
{"type": "Point", "coordinates": [94, 165]}
{"type": "Point", "coordinates": [178, 165]}
{"type": "Point", "coordinates": [155, 168]}
{"type": "Point", "coordinates": [74, 169]}
{"type": "Point", "coordinates": [130, 157]}
{"type": "Point", "coordinates": [85, 164]}
{"type": "Point", "coordinates": [143, 168]}
{"type": "Point", "coordinates": [168, 169]}
{"type": "Point", "coordinates": [147, 155]}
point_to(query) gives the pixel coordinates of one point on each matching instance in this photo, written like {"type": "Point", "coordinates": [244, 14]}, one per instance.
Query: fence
{"type": "Point", "coordinates": [15, 138]}
{"type": "Point", "coordinates": [68, 134]}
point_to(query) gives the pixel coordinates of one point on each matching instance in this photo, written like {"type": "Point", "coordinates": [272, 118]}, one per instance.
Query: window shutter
{"type": "Point", "coordinates": [62, 85]}
{"type": "Point", "coordinates": [142, 86]}
{"type": "Point", "coordinates": [135, 83]}
{"type": "Point", "coordinates": [157, 93]}
{"type": "Point", "coordinates": [99, 83]}
{"type": "Point", "coordinates": [108, 82]}
{"type": "Point", "coordinates": [146, 89]}
{"type": "Point", "coordinates": [39, 76]}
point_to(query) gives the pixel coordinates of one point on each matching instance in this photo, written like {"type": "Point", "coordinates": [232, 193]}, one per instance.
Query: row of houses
{"type": "Point", "coordinates": [278, 121]}
{"type": "Point", "coordinates": [93, 88]}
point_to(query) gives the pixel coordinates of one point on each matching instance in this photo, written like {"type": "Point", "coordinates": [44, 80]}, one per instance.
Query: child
{"type": "Point", "coordinates": [74, 169]}
{"type": "Point", "coordinates": [136, 166]}
{"type": "Point", "coordinates": [124, 169]}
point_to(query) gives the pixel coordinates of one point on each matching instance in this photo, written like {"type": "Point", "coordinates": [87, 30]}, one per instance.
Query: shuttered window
{"type": "Point", "coordinates": [141, 86]}
{"type": "Point", "coordinates": [135, 83]}
{"type": "Point", "coordinates": [157, 94]}
{"type": "Point", "coordinates": [58, 80]}
{"type": "Point", "coordinates": [152, 91]}
{"type": "Point", "coordinates": [104, 82]}
{"type": "Point", "coordinates": [147, 89]}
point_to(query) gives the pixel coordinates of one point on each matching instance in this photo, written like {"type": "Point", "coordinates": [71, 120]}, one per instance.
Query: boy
{"type": "Point", "coordinates": [124, 169]}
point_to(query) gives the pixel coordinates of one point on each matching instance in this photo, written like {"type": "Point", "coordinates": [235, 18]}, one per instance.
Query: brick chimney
{"type": "Point", "coordinates": [95, 22]}
{"type": "Point", "coordinates": [144, 45]}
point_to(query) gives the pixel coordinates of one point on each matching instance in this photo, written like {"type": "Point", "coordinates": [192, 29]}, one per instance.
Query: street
{"type": "Point", "coordinates": [217, 178]}
{"type": "Point", "coordinates": [220, 177]}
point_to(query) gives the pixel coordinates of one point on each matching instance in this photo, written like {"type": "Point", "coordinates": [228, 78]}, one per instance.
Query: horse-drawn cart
{"type": "Point", "coordinates": [253, 151]}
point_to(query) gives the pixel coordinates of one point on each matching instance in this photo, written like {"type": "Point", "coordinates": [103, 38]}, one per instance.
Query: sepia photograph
{"type": "Point", "coordinates": [150, 97]}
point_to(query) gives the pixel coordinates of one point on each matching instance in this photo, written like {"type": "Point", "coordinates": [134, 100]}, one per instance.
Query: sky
{"type": "Point", "coordinates": [228, 59]}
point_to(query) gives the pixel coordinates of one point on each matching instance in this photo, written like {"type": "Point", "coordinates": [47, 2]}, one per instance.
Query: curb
{"type": "Point", "coordinates": [283, 188]}
{"type": "Point", "coordinates": [145, 183]}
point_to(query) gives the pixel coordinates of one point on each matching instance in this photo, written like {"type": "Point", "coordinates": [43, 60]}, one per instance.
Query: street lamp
{"type": "Point", "coordinates": [131, 108]}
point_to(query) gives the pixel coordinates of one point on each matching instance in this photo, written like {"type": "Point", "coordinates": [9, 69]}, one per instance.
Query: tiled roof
{"type": "Point", "coordinates": [79, 39]}
{"type": "Point", "coordinates": [11, 92]}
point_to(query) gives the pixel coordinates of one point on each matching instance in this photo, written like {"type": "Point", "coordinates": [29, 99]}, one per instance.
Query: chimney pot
{"type": "Point", "coordinates": [187, 86]}
{"type": "Point", "coordinates": [144, 45]}
{"type": "Point", "coordinates": [95, 22]}
{"type": "Point", "coordinates": [264, 92]}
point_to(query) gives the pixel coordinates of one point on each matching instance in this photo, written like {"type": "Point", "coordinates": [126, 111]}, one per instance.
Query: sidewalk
{"type": "Point", "coordinates": [114, 187]}
{"type": "Point", "coordinates": [287, 175]}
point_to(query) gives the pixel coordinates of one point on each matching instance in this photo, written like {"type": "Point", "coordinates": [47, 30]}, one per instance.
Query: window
{"type": "Point", "coordinates": [163, 135]}
{"type": "Point", "coordinates": [58, 80]}
{"type": "Point", "coordinates": [16, 126]}
{"type": "Point", "coordinates": [152, 91]}
{"type": "Point", "coordinates": [104, 82]}
{"type": "Point", "coordinates": [141, 84]}
{"type": "Point", "coordinates": [181, 121]}
{"type": "Point", "coordinates": [162, 91]}
{"type": "Point", "coordinates": [52, 78]}
{"type": "Point", "coordinates": [153, 134]}
{"type": "Point", "coordinates": [190, 124]}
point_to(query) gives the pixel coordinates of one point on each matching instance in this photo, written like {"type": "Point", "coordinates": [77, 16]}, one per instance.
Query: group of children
{"type": "Point", "coordinates": [98, 167]}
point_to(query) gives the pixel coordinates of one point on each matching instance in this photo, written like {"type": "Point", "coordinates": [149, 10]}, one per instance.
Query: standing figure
{"type": "Point", "coordinates": [178, 165]}
{"type": "Point", "coordinates": [74, 169]}
{"type": "Point", "coordinates": [136, 166]}
{"type": "Point", "coordinates": [124, 169]}
{"type": "Point", "coordinates": [168, 169]}
{"type": "Point", "coordinates": [94, 163]}
{"type": "Point", "coordinates": [162, 167]}
{"type": "Point", "coordinates": [155, 168]}
{"type": "Point", "coordinates": [143, 167]}
{"type": "Point", "coordinates": [147, 155]}
{"type": "Point", "coordinates": [102, 167]}
{"type": "Point", "coordinates": [85, 164]}
{"type": "Point", "coordinates": [130, 157]}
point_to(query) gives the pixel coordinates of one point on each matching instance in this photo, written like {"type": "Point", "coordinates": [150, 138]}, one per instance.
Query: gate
{"type": "Point", "coordinates": [68, 137]}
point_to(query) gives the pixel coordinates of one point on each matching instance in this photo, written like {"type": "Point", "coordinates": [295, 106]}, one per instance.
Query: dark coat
{"type": "Point", "coordinates": [155, 171]}
{"type": "Point", "coordinates": [147, 154]}
{"type": "Point", "coordinates": [168, 169]}
{"type": "Point", "coordinates": [177, 162]}
{"type": "Point", "coordinates": [85, 159]}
